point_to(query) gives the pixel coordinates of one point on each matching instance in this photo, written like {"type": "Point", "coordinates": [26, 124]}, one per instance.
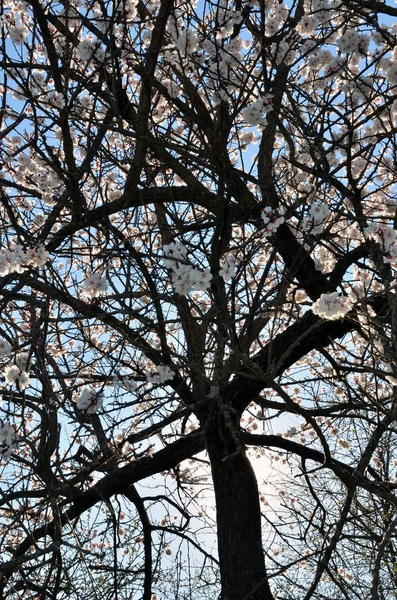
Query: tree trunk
{"type": "Point", "coordinates": [242, 565]}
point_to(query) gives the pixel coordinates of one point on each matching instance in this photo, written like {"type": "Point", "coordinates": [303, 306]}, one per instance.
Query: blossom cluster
{"type": "Point", "coordinates": [89, 400]}
{"type": "Point", "coordinates": [332, 306]}
{"type": "Point", "coordinates": [275, 18]}
{"type": "Point", "coordinates": [227, 19]}
{"type": "Point", "coordinates": [89, 48]}
{"type": "Point", "coordinates": [94, 285]}
{"type": "Point", "coordinates": [255, 112]}
{"type": "Point", "coordinates": [14, 374]}
{"type": "Point", "coordinates": [17, 372]}
{"type": "Point", "coordinates": [185, 41]}
{"type": "Point", "coordinates": [385, 236]}
{"type": "Point", "coordinates": [184, 275]}
{"type": "Point", "coordinates": [353, 41]}
{"type": "Point", "coordinates": [15, 259]}
{"type": "Point", "coordinates": [18, 34]}
{"type": "Point", "coordinates": [162, 374]}
{"type": "Point", "coordinates": [228, 269]}
{"type": "Point", "coordinates": [272, 219]}
{"type": "Point", "coordinates": [315, 220]}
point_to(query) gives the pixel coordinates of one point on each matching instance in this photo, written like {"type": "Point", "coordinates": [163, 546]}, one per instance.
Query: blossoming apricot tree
{"type": "Point", "coordinates": [198, 326]}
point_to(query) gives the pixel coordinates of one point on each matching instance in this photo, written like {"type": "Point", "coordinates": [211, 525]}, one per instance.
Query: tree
{"type": "Point", "coordinates": [197, 272]}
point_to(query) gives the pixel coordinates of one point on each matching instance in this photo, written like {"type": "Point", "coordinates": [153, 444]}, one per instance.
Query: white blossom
{"type": "Point", "coordinates": [349, 41]}
{"type": "Point", "coordinates": [55, 99]}
{"type": "Point", "coordinates": [127, 448]}
{"type": "Point", "coordinates": [200, 280]}
{"type": "Point", "coordinates": [39, 219]}
{"type": "Point", "coordinates": [173, 252]}
{"type": "Point", "coordinates": [307, 25]}
{"type": "Point", "coordinates": [88, 49]}
{"type": "Point", "coordinates": [391, 73]}
{"type": "Point", "coordinates": [180, 277]}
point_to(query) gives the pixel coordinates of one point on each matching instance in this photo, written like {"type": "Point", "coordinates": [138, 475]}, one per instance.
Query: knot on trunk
{"type": "Point", "coordinates": [222, 428]}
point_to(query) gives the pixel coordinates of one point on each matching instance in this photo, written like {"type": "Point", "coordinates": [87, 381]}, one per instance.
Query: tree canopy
{"type": "Point", "coordinates": [198, 324]}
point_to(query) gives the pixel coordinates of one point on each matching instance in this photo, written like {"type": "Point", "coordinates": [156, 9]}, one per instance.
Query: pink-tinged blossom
{"type": "Point", "coordinates": [94, 285]}
{"type": "Point", "coordinates": [385, 236]}
{"type": "Point", "coordinates": [89, 401]}
{"type": "Point", "coordinates": [201, 280]}
{"type": "Point", "coordinates": [332, 306]}
{"type": "Point", "coordinates": [272, 219]}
